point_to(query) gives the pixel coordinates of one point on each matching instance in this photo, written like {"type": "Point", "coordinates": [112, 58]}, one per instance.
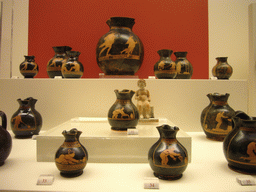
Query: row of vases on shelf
{"type": "Point", "coordinates": [121, 52]}
{"type": "Point", "coordinates": [219, 121]}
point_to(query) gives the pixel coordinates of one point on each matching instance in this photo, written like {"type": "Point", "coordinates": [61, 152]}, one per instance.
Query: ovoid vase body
{"type": "Point", "coordinates": [183, 66]}
{"type": "Point", "coordinates": [54, 65]}
{"type": "Point", "coordinates": [5, 140]}
{"type": "Point", "coordinates": [222, 70]}
{"type": "Point", "coordinates": [29, 68]}
{"type": "Point", "coordinates": [165, 68]}
{"type": "Point", "coordinates": [216, 118]}
{"type": "Point", "coordinates": [123, 114]}
{"type": "Point", "coordinates": [168, 158]}
{"type": "Point", "coordinates": [26, 121]}
{"type": "Point", "coordinates": [239, 146]}
{"type": "Point", "coordinates": [120, 51]}
{"type": "Point", "coordinates": [72, 68]}
{"type": "Point", "coordinates": [71, 157]}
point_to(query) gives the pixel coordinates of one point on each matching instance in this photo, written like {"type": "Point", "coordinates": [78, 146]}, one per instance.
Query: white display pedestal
{"type": "Point", "coordinates": [103, 144]}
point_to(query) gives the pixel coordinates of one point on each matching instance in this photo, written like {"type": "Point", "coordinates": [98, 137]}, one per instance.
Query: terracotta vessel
{"type": "Point", "coordinates": [54, 64]}
{"type": "Point", "coordinates": [216, 118]}
{"type": "Point", "coordinates": [123, 113]}
{"type": "Point", "coordinates": [5, 140]}
{"type": "Point", "coordinates": [120, 51]}
{"type": "Point", "coordinates": [222, 70]}
{"type": "Point", "coordinates": [29, 68]}
{"type": "Point", "coordinates": [168, 158]}
{"type": "Point", "coordinates": [26, 121]}
{"type": "Point", "coordinates": [239, 146]}
{"type": "Point", "coordinates": [184, 67]}
{"type": "Point", "coordinates": [71, 157]}
{"type": "Point", "coordinates": [165, 68]}
{"type": "Point", "coordinates": [72, 68]}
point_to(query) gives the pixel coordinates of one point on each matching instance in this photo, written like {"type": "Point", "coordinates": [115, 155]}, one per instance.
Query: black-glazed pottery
{"type": "Point", "coordinates": [72, 68]}
{"type": "Point", "coordinates": [29, 68]}
{"type": "Point", "coordinates": [165, 67]}
{"type": "Point", "coordinates": [216, 118]}
{"type": "Point", "coordinates": [168, 158]}
{"type": "Point", "coordinates": [120, 51]}
{"type": "Point", "coordinates": [54, 64]}
{"type": "Point", "coordinates": [26, 121]}
{"type": "Point", "coordinates": [183, 66]}
{"type": "Point", "coordinates": [222, 70]}
{"type": "Point", "coordinates": [71, 157]}
{"type": "Point", "coordinates": [123, 114]}
{"type": "Point", "coordinates": [5, 140]}
{"type": "Point", "coordinates": [239, 145]}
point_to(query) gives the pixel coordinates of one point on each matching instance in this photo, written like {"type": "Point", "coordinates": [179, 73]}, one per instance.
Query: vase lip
{"type": "Point", "coordinates": [29, 56]}
{"type": "Point", "coordinates": [73, 53]}
{"type": "Point", "coordinates": [165, 52]}
{"type": "Point", "coordinates": [221, 58]}
{"type": "Point", "coordinates": [72, 131]}
{"type": "Point", "coordinates": [124, 91]}
{"type": "Point", "coordinates": [61, 49]}
{"type": "Point", "coordinates": [180, 53]}
{"type": "Point", "coordinates": [121, 22]}
{"type": "Point", "coordinates": [167, 127]}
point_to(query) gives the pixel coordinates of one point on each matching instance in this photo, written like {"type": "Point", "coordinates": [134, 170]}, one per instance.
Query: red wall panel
{"type": "Point", "coordinates": [179, 25]}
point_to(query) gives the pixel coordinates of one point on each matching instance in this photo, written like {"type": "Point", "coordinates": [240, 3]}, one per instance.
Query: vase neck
{"type": "Point", "coordinates": [125, 22]}
{"type": "Point", "coordinates": [167, 132]}
{"type": "Point", "coordinates": [165, 52]}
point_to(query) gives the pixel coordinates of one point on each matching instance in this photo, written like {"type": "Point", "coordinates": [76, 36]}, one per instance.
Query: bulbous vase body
{"type": "Point", "coordinates": [5, 140]}
{"type": "Point", "coordinates": [26, 121]}
{"type": "Point", "coordinates": [123, 114]}
{"type": "Point", "coordinates": [72, 68]}
{"type": "Point", "coordinates": [222, 70]}
{"type": "Point", "coordinates": [168, 158]}
{"type": "Point", "coordinates": [54, 65]}
{"type": "Point", "coordinates": [165, 68]}
{"type": "Point", "coordinates": [29, 68]}
{"type": "Point", "coordinates": [183, 66]}
{"type": "Point", "coordinates": [71, 157]}
{"type": "Point", "coordinates": [239, 146]}
{"type": "Point", "coordinates": [120, 51]}
{"type": "Point", "coordinates": [216, 118]}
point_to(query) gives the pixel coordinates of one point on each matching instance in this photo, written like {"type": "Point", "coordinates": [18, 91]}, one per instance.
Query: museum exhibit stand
{"type": "Point", "coordinates": [117, 161]}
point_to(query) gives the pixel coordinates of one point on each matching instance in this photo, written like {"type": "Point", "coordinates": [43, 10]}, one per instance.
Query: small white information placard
{"type": "Point", "coordinates": [151, 183]}
{"type": "Point", "coordinates": [45, 179]}
{"type": "Point", "coordinates": [132, 132]}
{"type": "Point", "coordinates": [246, 180]}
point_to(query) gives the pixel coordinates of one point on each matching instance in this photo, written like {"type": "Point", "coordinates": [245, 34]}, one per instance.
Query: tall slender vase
{"type": "Point", "coordinates": [120, 51]}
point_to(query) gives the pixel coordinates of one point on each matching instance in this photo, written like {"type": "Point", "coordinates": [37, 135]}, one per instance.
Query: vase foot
{"type": "Point", "coordinates": [167, 177]}
{"type": "Point", "coordinates": [243, 171]}
{"type": "Point", "coordinates": [23, 136]}
{"type": "Point", "coordinates": [70, 175]}
{"type": "Point", "coordinates": [215, 138]}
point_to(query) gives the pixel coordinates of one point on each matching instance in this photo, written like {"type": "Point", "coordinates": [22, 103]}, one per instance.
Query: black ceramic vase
{"type": "Point", "coordinates": [168, 158]}
{"type": "Point", "coordinates": [239, 146]}
{"type": "Point", "coordinates": [222, 70]}
{"type": "Point", "coordinates": [120, 51]}
{"type": "Point", "coordinates": [216, 118]}
{"type": "Point", "coordinates": [71, 157]}
{"type": "Point", "coordinates": [26, 121]}
{"type": "Point", "coordinates": [123, 114]}
{"type": "Point", "coordinates": [72, 68]}
{"type": "Point", "coordinates": [5, 140]}
{"type": "Point", "coordinates": [184, 67]}
{"type": "Point", "coordinates": [54, 64]}
{"type": "Point", "coordinates": [29, 68]}
{"type": "Point", "coordinates": [165, 68]}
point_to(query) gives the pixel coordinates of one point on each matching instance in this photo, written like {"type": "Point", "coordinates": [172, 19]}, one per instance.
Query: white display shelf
{"type": "Point", "coordinates": [208, 172]}
{"type": "Point", "coordinates": [105, 145]}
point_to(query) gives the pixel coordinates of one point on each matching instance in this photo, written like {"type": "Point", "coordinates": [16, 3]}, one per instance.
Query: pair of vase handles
{"type": "Point", "coordinates": [4, 120]}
